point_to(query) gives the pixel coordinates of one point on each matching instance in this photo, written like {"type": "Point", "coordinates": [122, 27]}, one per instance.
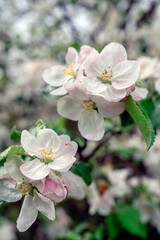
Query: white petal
{"type": "Point", "coordinates": [75, 185]}
{"type": "Point", "coordinates": [125, 74]}
{"type": "Point", "coordinates": [55, 76]}
{"type": "Point", "coordinates": [62, 164]}
{"type": "Point", "coordinates": [93, 84]}
{"type": "Point", "coordinates": [113, 95]}
{"type": "Point", "coordinates": [8, 192]}
{"type": "Point", "coordinates": [70, 108]}
{"type": "Point", "coordinates": [34, 169]}
{"type": "Point", "coordinates": [59, 91]}
{"type": "Point", "coordinates": [108, 109]}
{"type": "Point", "coordinates": [76, 90]}
{"type": "Point", "coordinates": [113, 53]}
{"type": "Point", "coordinates": [12, 166]}
{"type": "Point", "coordinates": [71, 56]}
{"type": "Point", "coordinates": [67, 150]}
{"type": "Point", "coordinates": [44, 205]}
{"type": "Point", "coordinates": [48, 138]}
{"type": "Point", "coordinates": [139, 93]}
{"type": "Point", "coordinates": [27, 215]}
{"type": "Point", "coordinates": [65, 138]}
{"type": "Point", "coordinates": [30, 144]}
{"type": "Point", "coordinates": [91, 126]}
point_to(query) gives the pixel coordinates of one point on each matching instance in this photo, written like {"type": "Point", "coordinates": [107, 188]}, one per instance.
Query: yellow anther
{"type": "Point", "coordinates": [107, 74]}
{"type": "Point", "coordinates": [47, 156]}
{"type": "Point", "coordinates": [68, 70]}
{"type": "Point", "coordinates": [24, 187]}
{"type": "Point", "coordinates": [87, 106]}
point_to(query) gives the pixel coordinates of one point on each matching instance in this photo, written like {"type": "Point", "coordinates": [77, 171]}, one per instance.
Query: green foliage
{"type": "Point", "coordinates": [15, 134]}
{"type": "Point", "coordinates": [129, 218]}
{"type": "Point", "coordinates": [126, 121]}
{"type": "Point", "coordinates": [113, 226]}
{"type": "Point", "coordinates": [38, 126]}
{"type": "Point", "coordinates": [156, 113]}
{"type": "Point", "coordinates": [12, 150]}
{"type": "Point", "coordinates": [142, 120]}
{"type": "Point", "coordinates": [124, 152]}
{"type": "Point", "coordinates": [98, 234]}
{"type": "Point", "coordinates": [83, 170]}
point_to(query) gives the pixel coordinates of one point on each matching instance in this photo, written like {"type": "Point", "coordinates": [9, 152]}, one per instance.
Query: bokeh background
{"type": "Point", "coordinates": [35, 35]}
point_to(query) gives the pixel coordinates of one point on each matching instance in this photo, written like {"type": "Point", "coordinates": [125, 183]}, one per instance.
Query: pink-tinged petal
{"type": "Point", "coordinates": [59, 91]}
{"type": "Point", "coordinates": [50, 186]}
{"type": "Point", "coordinates": [91, 126]}
{"type": "Point", "coordinates": [113, 95]}
{"type": "Point", "coordinates": [56, 76]}
{"type": "Point", "coordinates": [76, 90]}
{"type": "Point", "coordinates": [62, 163]}
{"type": "Point", "coordinates": [65, 138]}
{"type": "Point", "coordinates": [44, 205]}
{"type": "Point", "coordinates": [30, 144]}
{"type": "Point", "coordinates": [48, 138]}
{"type": "Point", "coordinates": [34, 169]}
{"type": "Point", "coordinates": [108, 109]}
{"type": "Point", "coordinates": [139, 93]}
{"type": "Point", "coordinates": [28, 214]}
{"type": "Point", "coordinates": [84, 52]}
{"type": "Point", "coordinates": [59, 195]}
{"type": "Point", "coordinates": [71, 56]}
{"type": "Point", "coordinates": [39, 184]}
{"type": "Point", "coordinates": [113, 54]}
{"type": "Point", "coordinates": [12, 166]}
{"type": "Point", "coordinates": [75, 185]}
{"type": "Point", "coordinates": [67, 150]}
{"type": "Point", "coordinates": [93, 85]}
{"type": "Point", "coordinates": [70, 108]}
{"type": "Point", "coordinates": [8, 192]}
{"type": "Point", "coordinates": [125, 74]}
{"type": "Point", "coordinates": [93, 65]}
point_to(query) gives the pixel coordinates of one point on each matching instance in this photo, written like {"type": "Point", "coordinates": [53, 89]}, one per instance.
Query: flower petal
{"type": "Point", "coordinates": [34, 169]}
{"type": "Point", "coordinates": [125, 74]}
{"type": "Point", "coordinates": [12, 166]}
{"type": "Point", "coordinates": [30, 144]}
{"type": "Point", "coordinates": [62, 164]}
{"type": "Point", "coordinates": [55, 76]}
{"type": "Point", "coordinates": [8, 192]}
{"type": "Point", "coordinates": [91, 126]}
{"type": "Point", "coordinates": [28, 214]}
{"type": "Point", "coordinates": [113, 53]}
{"type": "Point", "coordinates": [113, 95]}
{"type": "Point", "coordinates": [108, 109]}
{"type": "Point", "coordinates": [44, 205]}
{"type": "Point", "coordinates": [48, 138]}
{"type": "Point", "coordinates": [139, 93]}
{"type": "Point", "coordinates": [75, 185]}
{"type": "Point", "coordinates": [71, 56]}
{"type": "Point", "coordinates": [70, 108]}
{"type": "Point", "coordinates": [93, 84]}
{"type": "Point", "coordinates": [59, 91]}
{"type": "Point", "coordinates": [76, 90]}
{"type": "Point", "coordinates": [157, 86]}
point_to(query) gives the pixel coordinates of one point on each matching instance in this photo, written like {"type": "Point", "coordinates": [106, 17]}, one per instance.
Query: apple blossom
{"type": "Point", "coordinates": [51, 152]}
{"type": "Point", "coordinates": [110, 73]}
{"type": "Point", "coordinates": [88, 109]}
{"type": "Point", "coordinates": [57, 76]}
{"type": "Point", "coordinates": [101, 202]}
{"type": "Point", "coordinates": [13, 190]}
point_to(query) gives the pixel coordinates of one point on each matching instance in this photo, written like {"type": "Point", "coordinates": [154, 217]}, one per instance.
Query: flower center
{"type": "Point", "coordinates": [87, 106]}
{"type": "Point", "coordinates": [68, 70]}
{"type": "Point", "coordinates": [47, 157]}
{"type": "Point", "coordinates": [107, 75]}
{"type": "Point", "coordinates": [25, 188]}
{"type": "Point", "coordinates": [102, 188]}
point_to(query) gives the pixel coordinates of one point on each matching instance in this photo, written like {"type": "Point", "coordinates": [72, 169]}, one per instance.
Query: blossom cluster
{"type": "Point", "coordinates": [95, 85]}
{"type": "Point", "coordinates": [43, 179]}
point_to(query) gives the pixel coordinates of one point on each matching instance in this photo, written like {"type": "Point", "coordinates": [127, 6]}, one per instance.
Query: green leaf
{"type": "Point", "coordinates": [98, 235]}
{"type": "Point", "coordinates": [83, 170]}
{"type": "Point", "coordinates": [15, 134]}
{"type": "Point", "coordinates": [38, 126]}
{"type": "Point", "coordinates": [70, 236]}
{"type": "Point", "coordinates": [142, 121]}
{"type": "Point", "coordinates": [113, 226]}
{"type": "Point", "coordinates": [122, 151]}
{"type": "Point", "coordinates": [129, 218]}
{"type": "Point", "coordinates": [12, 150]}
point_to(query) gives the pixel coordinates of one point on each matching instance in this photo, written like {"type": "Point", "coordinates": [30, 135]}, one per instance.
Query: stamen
{"type": "Point", "coordinates": [25, 188]}
{"type": "Point", "coordinates": [107, 75]}
{"type": "Point", "coordinates": [68, 70]}
{"type": "Point", "coordinates": [87, 106]}
{"type": "Point", "coordinates": [47, 156]}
